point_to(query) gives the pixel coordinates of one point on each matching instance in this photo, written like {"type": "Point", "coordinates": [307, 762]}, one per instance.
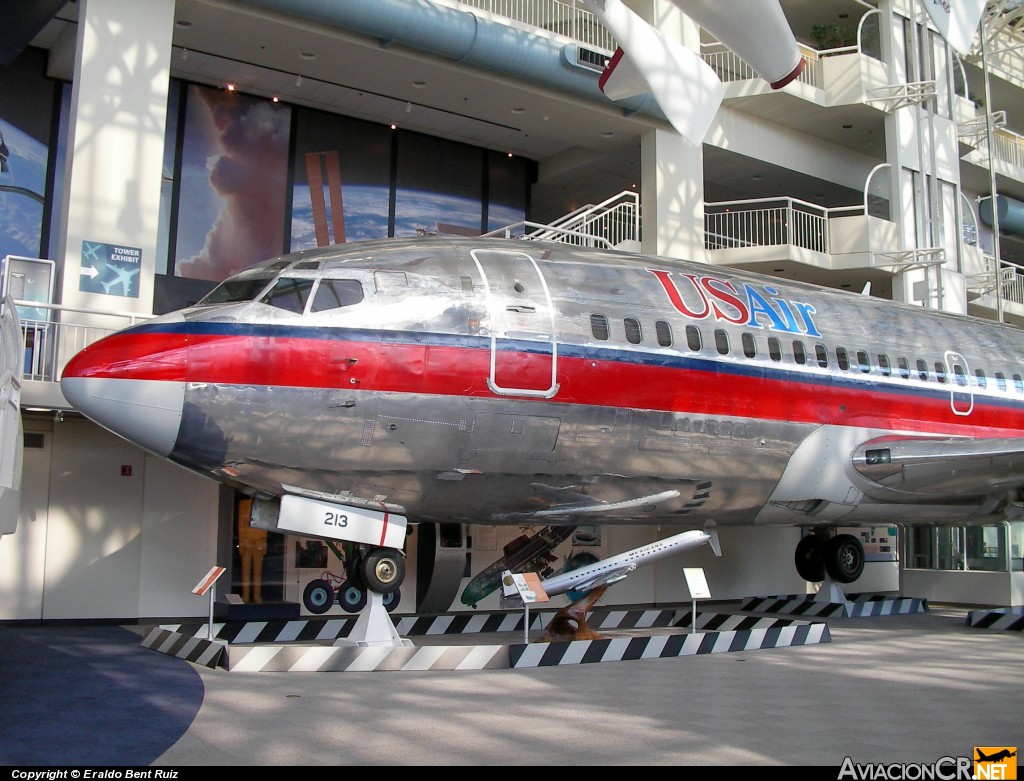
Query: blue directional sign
{"type": "Point", "coordinates": [112, 269]}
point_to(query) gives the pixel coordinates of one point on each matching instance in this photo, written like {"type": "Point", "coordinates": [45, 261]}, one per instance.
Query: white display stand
{"type": "Point", "coordinates": [698, 586]}
{"type": "Point", "coordinates": [831, 592]}
{"type": "Point", "coordinates": [209, 585]}
{"type": "Point", "coordinates": [526, 587]}
{"type": "Point", "coordinates": [374, 627]}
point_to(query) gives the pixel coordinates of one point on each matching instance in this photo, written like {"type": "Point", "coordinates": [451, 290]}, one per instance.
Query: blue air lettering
{"type": "Point", "coordinates": [745, 305]}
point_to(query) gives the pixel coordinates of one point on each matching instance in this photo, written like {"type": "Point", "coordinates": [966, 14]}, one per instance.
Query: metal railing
{"type": "Point", "coordinates": [1011, 280]}
{"type": "Point", "coordinates": [52, 334]}
{"type": "Point", "coordinates": [729, 66]}
{"type": "Point", "coordinates": [567, 18]}
{"type": "Point", "coordinates": [610, 223]}
{"type": "Point", "coordinates": [768, 222]}
{"type": "Point", "coordinates": [1007, 146]}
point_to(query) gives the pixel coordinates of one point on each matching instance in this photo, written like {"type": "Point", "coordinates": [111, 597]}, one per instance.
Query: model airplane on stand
{"type": "Point", "coordinates": [355, 389]}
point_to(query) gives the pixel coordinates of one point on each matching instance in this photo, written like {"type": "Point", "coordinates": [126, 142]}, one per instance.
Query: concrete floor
{"type": "Point", "coordinates": [888, 689]}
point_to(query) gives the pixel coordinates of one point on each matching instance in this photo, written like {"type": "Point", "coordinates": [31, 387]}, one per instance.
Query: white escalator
{"type": "Point", "coordinates": [12, 357]}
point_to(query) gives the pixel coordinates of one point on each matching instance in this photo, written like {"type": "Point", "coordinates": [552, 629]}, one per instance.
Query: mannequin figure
{"type": "Point", "coordinates": [252, 546]}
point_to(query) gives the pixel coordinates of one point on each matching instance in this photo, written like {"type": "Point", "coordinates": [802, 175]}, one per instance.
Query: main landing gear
{"type": "Point", "coordinates": [840, 557]}
{"type": "Point", "coordinates": [370, 570]}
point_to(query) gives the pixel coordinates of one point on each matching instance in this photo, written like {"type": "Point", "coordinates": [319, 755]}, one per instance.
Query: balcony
{"type": "Point", "coordinates": [981, 277]}
{"type": "Point", "coordinates": [51, 336]}
{"type": "Point", "coordinates": [760, 233]}
{"type": "Point", "coordinates": [1007, 152]}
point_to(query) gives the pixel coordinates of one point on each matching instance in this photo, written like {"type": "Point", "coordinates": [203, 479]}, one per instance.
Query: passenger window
{"type": "Point", "coordinates": [599, 327]}
{"type": "Point", "coordinates": [904, 367]}
{"type": "Point", "coordinates": [336, 293]}
{"type": "Point", "coordinates": [922, 369]}
{"type": "Point", "coordinates": [775, 348]}
{"type": "Point", "coordinates": [1001, 381]}
{"type": "Point", "coordinates": [664, 333]}
{"type": "Point", "coordinates": [693, 340]}
{"type": "Point", "coordinates": [822, 355]}
{"type": "Point", "coordinates": [1018, 383]}
{"type": "Point", "coordinates": [749, 346]}
{"type": "Point", "coordinates": [883, 363]}
{"type": "Point", "coordinates": [940, 371]}
{"type": "Point", "coordinates": [842, 358]}
{"type": "Point", "coordinates": [959, 374]}
{"type": "Point", "coordinates": [982, 380]}
{"type": "Point", "coordinates": [863, 362]}
{"type": "Point", "coordinates": [633, 335]}
{"type": "Point", "coordinates": [289, 294]}
{"type": "Point", "coordinates": [722, 341]}
{"type": "Point", "coordinates": [799, 354]}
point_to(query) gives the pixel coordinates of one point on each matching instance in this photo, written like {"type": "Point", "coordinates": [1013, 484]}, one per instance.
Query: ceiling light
{"type": "Point", "coordinates": [408, 107]}
{"type": "Point", "coordinates": [419, 84]}
{"type": "Point", "coordinates": [308, 56]}
{"type": "Point", "coordinates": [230, 87]}
{"type": "Point", "coordinates": [298, 81]}
{"type": "Point", "coordinates": [518, 110]}
{"type": "Point", "coordinates": [394, 126]}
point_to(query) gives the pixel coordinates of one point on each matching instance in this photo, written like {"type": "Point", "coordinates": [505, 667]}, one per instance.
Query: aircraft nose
{"type": "Point", "coordinates": [133, 383]}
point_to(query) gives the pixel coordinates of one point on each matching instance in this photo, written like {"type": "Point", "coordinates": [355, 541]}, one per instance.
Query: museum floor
{"type": "Point", "coordinates": [911, 688]}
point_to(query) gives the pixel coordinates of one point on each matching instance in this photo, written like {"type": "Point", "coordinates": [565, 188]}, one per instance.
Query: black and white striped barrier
{"type": "Point", "coordinates": [201, 651]}
{"type": "Point", "coordinates": [1008, 619]}
{"type": "Point", "coordinates": [855, 606]}
{"type": "Point", "coordinates": [309, 645]}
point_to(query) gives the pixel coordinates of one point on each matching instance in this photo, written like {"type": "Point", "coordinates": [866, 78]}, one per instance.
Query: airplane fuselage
{"type": "Point", "coordinates": [509, 381]}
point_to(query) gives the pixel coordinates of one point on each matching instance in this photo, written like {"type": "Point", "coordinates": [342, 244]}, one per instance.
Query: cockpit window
{"type": "Point", "coordinates": [237, 289]}
{"type": "Point", "coordinates": [290, 294]}
{"type": "Point", "coordinates": [335, 293]}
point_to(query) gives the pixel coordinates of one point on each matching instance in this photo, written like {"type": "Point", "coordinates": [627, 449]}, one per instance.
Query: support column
{"type": "Point", "coordinates": [672, 169]}
{"type": "Point", "coordinates": [114, 165]}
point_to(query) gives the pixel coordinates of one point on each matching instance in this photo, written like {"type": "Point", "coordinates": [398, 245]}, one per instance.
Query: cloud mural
{"type": "Point", "coordinates": [234, 178]}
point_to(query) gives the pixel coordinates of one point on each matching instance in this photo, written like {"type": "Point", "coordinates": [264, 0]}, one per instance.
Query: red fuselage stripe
{"type": "Point", "coordinates": [460, 371]}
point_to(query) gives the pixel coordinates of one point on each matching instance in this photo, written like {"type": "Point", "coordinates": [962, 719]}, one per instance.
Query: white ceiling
{"type": "Point", "coordinates": [586, 150]}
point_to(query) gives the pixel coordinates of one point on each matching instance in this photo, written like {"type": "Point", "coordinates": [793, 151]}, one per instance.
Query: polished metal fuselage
{"type": "Point", "coordinates": [492, 381]}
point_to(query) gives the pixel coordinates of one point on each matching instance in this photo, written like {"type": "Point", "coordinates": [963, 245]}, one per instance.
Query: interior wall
{"type": "Point", "coordinates": [23, 554]}
{"type": "Point", "coordinates": [179, 540]}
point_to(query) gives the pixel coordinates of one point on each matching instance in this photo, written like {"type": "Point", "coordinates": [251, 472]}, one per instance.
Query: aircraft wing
{"type": "Point", "coordinates": [11, 364]}
{"type": "Point", "coordinates": [957, 21]}
{"type": "Point", "coordinates": [606, 578]}
{"type": "Point", "coordinates": [686, 88]}
{"type": "Point", "coordinates": [937, 466]}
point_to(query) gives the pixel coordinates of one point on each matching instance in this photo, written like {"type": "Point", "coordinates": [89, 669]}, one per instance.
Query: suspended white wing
{"type": "Point", "coordinates": [685, 87]}
{"type": "Point", "coordinates": [956, 20]}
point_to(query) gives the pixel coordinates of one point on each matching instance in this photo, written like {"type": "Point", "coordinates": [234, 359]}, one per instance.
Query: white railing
{"type": "Point", "coordinates": [610, 223]}
{"type": "Point", "coordinates": [1008, 147]}
{"type": "Point", "coordinates": [769, 222]}
{"type": "Point", "coordinates": [53, 334]}
{"type": "Point", "coordinates": [567, 18]}
{"type": "Point", "coordinates": [728, 66]}
{"type": "Point", "coordinates": [1011, 280]}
